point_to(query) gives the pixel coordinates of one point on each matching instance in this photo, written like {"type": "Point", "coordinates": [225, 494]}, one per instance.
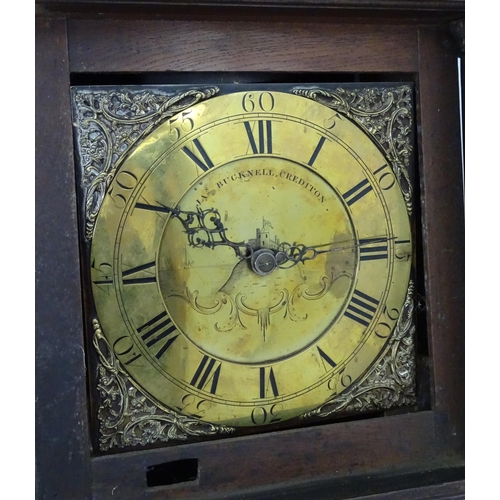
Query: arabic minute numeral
{"type": "Point", "coordinates": [386, 178]}
{"type": "Point", "coordinates": [261, 102]}
{"type": "Point", "coordinates": [124, 348]}
{"type": "Point", "coordinates": [123, 186]}
{"type": "Point", "coordinates": [194, 406]}
{"type": "Point", "coordinates": [181, 124]}
{"type": "Point", "coordinates": [105, 272]}
{"type": "Point", "coordinates": [262, 416]}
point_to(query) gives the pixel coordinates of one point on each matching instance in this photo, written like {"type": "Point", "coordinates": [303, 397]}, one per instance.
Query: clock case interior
{"type": "Point", "coordinates": [103, 400]}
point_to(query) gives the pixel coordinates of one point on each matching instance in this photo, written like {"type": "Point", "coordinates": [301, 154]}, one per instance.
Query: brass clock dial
{"type": "Point", "coordinates": [251, 258]}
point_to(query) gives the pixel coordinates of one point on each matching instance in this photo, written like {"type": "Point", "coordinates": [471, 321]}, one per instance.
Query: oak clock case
{"type": "Point", "coordinates": [249, 257]}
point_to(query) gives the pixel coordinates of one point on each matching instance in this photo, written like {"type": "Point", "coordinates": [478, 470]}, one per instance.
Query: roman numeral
{"type": "Point", "coordinates": [266, 382]}
{"type": "Point", "coordinates": [316, 151]}
{"type": "Point", "coordinates": [158, 330]}
{"type": "Point", "coordinates": [361, 308]}
{"type": "Point", "coordinates": [206, 373]}
{"type": "Point", "coordinates": [141, 280]}
{"type": "Point", "coordinates": [326, 359]}
{"type": "Point", "coordinates": [357, 192]}
{"type": "Point", "coordinates": [204, 162]}
{"type": "Point", "coordinates": [373, 248]}
{"type": "Point", "coordinates": [263, 142]}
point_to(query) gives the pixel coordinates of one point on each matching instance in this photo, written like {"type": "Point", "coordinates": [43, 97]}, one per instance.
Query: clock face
{"type": "Point", "coordinates": [251, 258]}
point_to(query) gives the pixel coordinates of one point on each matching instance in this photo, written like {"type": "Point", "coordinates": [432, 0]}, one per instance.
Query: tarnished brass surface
{"type": "Point", "coordinates": [176, 248]}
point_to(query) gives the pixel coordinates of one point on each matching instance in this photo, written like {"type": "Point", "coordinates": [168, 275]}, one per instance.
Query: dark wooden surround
{"type": "Point", "coordinates": [400, 456]}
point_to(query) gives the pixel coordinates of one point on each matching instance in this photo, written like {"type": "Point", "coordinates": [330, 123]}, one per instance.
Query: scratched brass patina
{"type": "Point", "coordinates": [251, 259]}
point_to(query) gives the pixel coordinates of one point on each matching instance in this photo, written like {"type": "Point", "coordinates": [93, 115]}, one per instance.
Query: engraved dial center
{"type": "Point", "coordinates": [237, 308]}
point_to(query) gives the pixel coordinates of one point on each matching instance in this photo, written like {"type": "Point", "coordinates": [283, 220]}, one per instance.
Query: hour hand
{"type": "Point", "coordinates": [204, 228]}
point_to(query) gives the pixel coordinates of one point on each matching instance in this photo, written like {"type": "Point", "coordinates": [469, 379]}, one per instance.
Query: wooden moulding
{"type": "Point", "coordinates": [61, 392]}
{"type": "Point", "coordinates": [443, 233]}
{"type": "Point", "coordinates": [421, 441]}
{"type": "Point", "coordinates": [368, 446]}
{"type": "Point", "coordinates": [393, 6]}
{"type": "Point", "coordinates": [138, 46]}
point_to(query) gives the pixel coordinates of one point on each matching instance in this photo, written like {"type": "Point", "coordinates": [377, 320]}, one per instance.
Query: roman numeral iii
{"type": "Point", "coordinates": [373, 249]}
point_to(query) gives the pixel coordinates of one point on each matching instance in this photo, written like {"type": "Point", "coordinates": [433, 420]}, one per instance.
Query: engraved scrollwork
{"type": "Point", "coordinates": [237, 305]}
{"type": "Point", "coordinates": [385, 114]}
{"type": "Point", "coordinates": [127, 417]}
{"type": "Point", "coordinates": [108, 123]}
{"type": "Point", "coordinates": [391, 381]}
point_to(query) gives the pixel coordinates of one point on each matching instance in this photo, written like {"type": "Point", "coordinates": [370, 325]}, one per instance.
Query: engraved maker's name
{"type": "Point", "coordinates": [247, 174]}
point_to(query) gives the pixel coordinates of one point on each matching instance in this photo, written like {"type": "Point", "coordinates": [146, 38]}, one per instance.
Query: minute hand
{"type": "Point", "coordinates": [293, 254]}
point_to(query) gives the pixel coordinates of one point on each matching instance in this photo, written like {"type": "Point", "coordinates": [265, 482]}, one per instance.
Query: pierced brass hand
{"type": "Point", "coordinates": [204, 228]}
{"type": "Point", "coordinates": [293, 254]}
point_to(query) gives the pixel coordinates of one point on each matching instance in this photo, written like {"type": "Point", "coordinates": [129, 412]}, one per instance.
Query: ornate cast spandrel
{"type": "Point", "coordinates": [108, 123]}
{"type": "Point", "coordinates": [390, 382]}
{"type": "Point", "coordinates": [385, 114]}
{"type": "Point", "coordinates": [128, 417]}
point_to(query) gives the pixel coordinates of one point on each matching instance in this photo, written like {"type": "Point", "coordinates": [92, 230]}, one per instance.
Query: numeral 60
{"type": "Point", "coordinates": [263, 102]}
